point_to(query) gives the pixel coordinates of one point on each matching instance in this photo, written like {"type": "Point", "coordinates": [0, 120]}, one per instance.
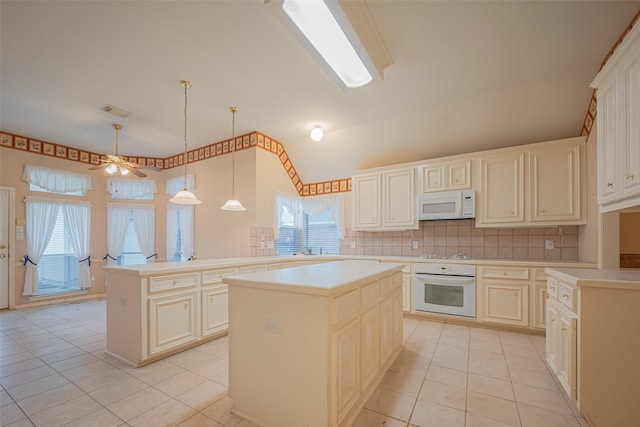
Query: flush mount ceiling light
{"type": "Point", "coordinates": [233, 204]}
{"type": "Point", "coordinates": [185, 197]}
{"type": "Point", "coordinates": [116, 163]}
{"type": "Point", "coordinates": [342, 35]}
{"type": "Point", "coordinates": [316, 133]}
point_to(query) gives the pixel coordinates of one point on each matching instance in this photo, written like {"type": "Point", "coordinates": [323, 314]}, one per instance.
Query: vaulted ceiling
{"type": "Point", "coordinates": [466, 76]}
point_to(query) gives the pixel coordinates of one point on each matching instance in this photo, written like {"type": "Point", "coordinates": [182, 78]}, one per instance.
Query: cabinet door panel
{"type": "Point", "coordinates": [540, 305]}
{"type": "Point", "coordinates": [399, 198]}
{"type": "Point", "coordinates": [555, 184]}
{"type": "Point", "coordinates": [367, 192]}
{"type": "Point", "coordinates": [631, 140]}
{"type": "Point", "coordinates": [398, 322]}
{"type": "Point", "coordinates": [370, 360]}
{"type": "Point", "coordinates": [406, 292]}
{"type": "Point", "coordinates": [347, 386]}
{"type": "Point", "coordinates": [566, 361]}
{"type": "Point", "coordinates": [505, 303]}
{"type": "Point", "coordinates": [215, 310]}
{"type": "Point", "coordinates": [459, 175]}
{"type": "Point", "coordinates": [433, 178]}
{"type": "Point", "coordinates": [608, 133]}
{"type": "Point", "coordinates": [172, 321]}
{"type": "Point", "coordinates": [387, 329]}
{"type": "Point", "coordinates": [502, 189]}
{"type": "Point", "coordinates": [553, 328]}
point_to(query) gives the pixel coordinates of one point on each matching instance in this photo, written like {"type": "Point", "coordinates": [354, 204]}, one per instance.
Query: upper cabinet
{"type": "Point", "coordinates": [385, 200]}
{"type": "Point", "coordinates": [446, 176]}
{"type": "Point", "coordinates": [618, 120]}
{"type": "Point", "coordinates": [533, 185]}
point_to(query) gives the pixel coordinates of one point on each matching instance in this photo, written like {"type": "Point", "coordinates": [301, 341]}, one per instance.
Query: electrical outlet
{"type": "Point", "coordinates": [270, 244]}
{"type": "Point", "coordinates": [272, 326]}
{"type": "Point", "coordinates": [414, 244]}
{"type": "Point", "coordinates": [353, 244]}
{"type": "Point", "coordinates": [262, 244]}
{"type": "Point", "coordinates": [549, 244]}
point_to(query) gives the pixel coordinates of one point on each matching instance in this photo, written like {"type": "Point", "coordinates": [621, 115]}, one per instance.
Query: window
{"type": "Point", "coordinates": [131, 189]}
{"type": "Point", "coordinates": [131, 253]}
{"type": "Point", "coordinates": [33, 187]}
{"type": "Point", "coordinates": [321, 233]}
{"type": "Point", "coordinates": [288, 241]}
{"type": "Point", "coordinates": [179, 232]}
{"type": "Point", "coordinates": [56, 181]}
{"type": "Point", "coordinates": [58, 268]}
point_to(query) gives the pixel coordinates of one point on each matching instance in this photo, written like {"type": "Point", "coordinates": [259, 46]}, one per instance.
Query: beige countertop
{"type": "Point", "coordinates": [326, 279]}
{"type": "Point", "coordinates": [613, 279]}
{"type": "Point", "coordinates": [199, 264]}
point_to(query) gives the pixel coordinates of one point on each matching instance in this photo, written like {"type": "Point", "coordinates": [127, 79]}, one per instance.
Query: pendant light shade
{"type": "Point", "coordinates": [233, 204]}
{"type": "Point", "coordinates": [185, 197]}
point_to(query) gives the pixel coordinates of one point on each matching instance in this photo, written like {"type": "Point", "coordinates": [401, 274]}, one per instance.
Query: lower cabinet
{"type": "Point", "coordinates": [173, 320]}
{"type": "Point", "coordinates": [370, 360]}
{"type": "Point", "coordinates": [505, 302]}
{"type": "Point", "coordinates": [215, 309]}
{"type": "Point", "coordinates": [387, 329]}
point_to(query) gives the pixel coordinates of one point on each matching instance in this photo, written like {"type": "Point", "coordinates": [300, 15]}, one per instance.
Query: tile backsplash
{"type": "Point", "coordinates": [446, 238]}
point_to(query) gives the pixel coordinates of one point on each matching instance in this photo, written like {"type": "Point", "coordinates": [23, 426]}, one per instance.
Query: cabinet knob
{"type": "Point", "coordinates": [544, 211]}
{"type": "Point", "coordinates": [437, 183]}
{"type": "Point", "coordinates": [565, 296]}
{"type": "Point", "coordinates": [552, 289]}
{"type": "Point", "coordinates": [185, 305]}
{"type": "Point", "coordinates": [609, 184]}
{"type": "Point", "coordinates": [174, 283]}
{"type": "Point", "coordinates": [564, 329]}
{"type": "Point", "coordinates": [511, 213]}
{"type": "Point", "coordinates": [629, 177]}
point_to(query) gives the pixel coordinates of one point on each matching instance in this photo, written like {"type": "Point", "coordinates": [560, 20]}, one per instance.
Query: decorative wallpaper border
{"type": "Point", "coordinates": [242, 142]}
{"type": "Point", "coordinates": [590, 117]}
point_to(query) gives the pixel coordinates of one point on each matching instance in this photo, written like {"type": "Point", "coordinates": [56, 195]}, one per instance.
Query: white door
{"type": "Point", "coordinates": [5, 200]}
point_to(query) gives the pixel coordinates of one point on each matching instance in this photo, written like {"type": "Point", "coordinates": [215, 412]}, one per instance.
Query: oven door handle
{"type": "Point", "coordinates": [445, 280]}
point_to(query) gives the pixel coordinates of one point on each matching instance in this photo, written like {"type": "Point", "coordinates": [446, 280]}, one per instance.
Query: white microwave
{"type": "Point", "coordinates": [447, 205]}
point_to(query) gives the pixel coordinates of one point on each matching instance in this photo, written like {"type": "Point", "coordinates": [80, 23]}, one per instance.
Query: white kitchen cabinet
{"type": "Point", "coordinates": [504, 295]}
{"type": "Point", "coordinates": [502, 197]}
{"type": "Point", "coordinates": [534, 185]}
{"type": "Point", "coordinates": [370, 355]}
{"type": "Point", "coordinates": [215, 309]}
{"type": "Point", "coordinates": [347, 344]}
{"type": "Point", "coordinates": [539, 298]}
{"type": "Point", "coordinates": [387, 329]}
{"type": "Point", "coordinates": [172, 320]}
{"type": "Point", "coordinates": [554, 184]}
{"type": "Point", "coordinates": [618, 120]}
{"type": "Point", "coordinates": [367, 200]}
{"type": "Point", "coordinates": [446, 176]}
{"type": "Point", "coordinates": [385, 200]}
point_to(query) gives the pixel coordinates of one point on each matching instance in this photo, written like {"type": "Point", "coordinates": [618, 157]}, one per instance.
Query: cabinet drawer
{"type": "Point", "coordinates": [566, 295]}
{"type": "Point", "coordinates": [552, 288]}
{"type": "Point", "coordinates": [249, 269]}
{"type": "Point", "coordinates": [518, 273]}
{"type": "Point", "coordinates": [215, 276]}
{"type": "Point", "coordinates": [369, 294]}
{"type": "Point", "coordinates": [175, 281]}
{"type": "Point", "coordinates": [346, 305]}
{"type": "Point", "coordinates": [539, 274]}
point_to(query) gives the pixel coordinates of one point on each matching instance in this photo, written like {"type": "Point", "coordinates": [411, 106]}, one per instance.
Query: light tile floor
{"type": "Point", "coordinates": [54, 372]}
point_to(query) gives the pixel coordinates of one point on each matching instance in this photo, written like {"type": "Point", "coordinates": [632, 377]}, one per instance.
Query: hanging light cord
{"type": "Point", "coordinates": [234, 110]}
{"type": "Point", "coordinates": [186, 85]}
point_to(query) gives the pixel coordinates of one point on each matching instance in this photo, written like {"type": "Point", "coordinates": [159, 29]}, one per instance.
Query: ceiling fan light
{"type": "Point", "coordinates": [233, 205]}
{"type": "Point", "coordinates": [316, 134]}
{"type": "Point", "coordinates": [111, 169]}
{"type": "Point", "coordinates": [185, 197]}
{"type": "Point", "coordinates": [124, 171]}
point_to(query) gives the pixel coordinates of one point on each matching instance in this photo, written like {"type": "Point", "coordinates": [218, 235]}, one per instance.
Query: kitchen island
{"type": "Point", "coordinates": [309, 345]}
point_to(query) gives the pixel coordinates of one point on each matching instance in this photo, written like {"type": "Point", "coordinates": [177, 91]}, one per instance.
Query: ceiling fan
{"type": "Point", "coordinates": [116, 163]}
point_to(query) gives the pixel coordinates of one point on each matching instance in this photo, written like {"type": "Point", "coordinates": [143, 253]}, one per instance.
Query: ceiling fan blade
{"type": "Point", "coordinates": [114, 158]}
{"type": "Point", "coordinates": [149, 167]}
{"type": "Point", "coordinates": [137, 172]}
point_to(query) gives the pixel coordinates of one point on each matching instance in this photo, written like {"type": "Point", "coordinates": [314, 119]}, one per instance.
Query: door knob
{"type": "Point", "coordinates": [3, 256]}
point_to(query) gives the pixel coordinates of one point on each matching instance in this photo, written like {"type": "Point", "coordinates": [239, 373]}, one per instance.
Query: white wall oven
{"type": "Point", "coordinates": [445, 288]}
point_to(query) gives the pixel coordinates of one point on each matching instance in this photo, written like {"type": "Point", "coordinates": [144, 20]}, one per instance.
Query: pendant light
{"type": "Point", "coordinates": [233, 204]}
{"type": "Point", "coordinates": [185, 197]}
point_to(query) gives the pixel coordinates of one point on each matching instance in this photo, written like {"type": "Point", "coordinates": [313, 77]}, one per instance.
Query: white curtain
{"type": "Point", "coordinates": [41, 220]}
{"type": "Point", "coordinates": [120, 188]}
{"type": "Point", "coordinates": [117, 224]}
{"type": "Point", "coordinates": [56, 181]}
{"type": "Point", "coordinates": [180, 217]}
{"type": "Point", "coordinates": [144, 222]}
{"type": "Point", "coordinates": [317, 205]}
{"type": "Point", "coordinates": [78, 217]}
{"type": "Point", "coordinates": [177, 183]}
{"type": "Point", "coordinates": [293, 204]}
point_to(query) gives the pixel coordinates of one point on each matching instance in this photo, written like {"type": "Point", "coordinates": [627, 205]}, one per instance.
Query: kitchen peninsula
{"type": "Point", "coordinates": [309, 345]}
